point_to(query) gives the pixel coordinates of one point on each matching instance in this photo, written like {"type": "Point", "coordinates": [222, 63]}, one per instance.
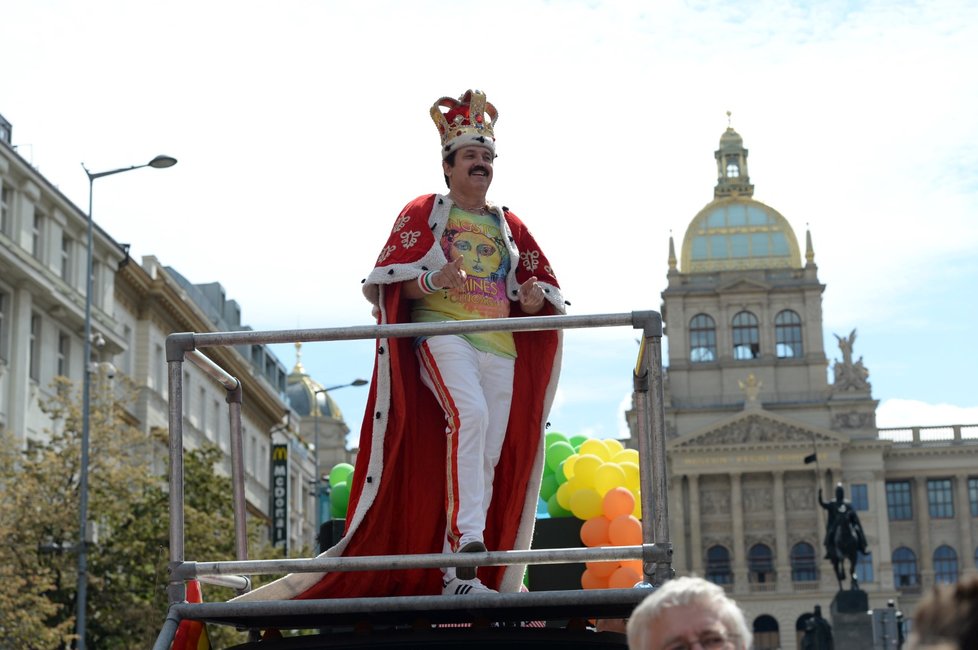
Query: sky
{"type": "Point", "coordinates": [302, 128]}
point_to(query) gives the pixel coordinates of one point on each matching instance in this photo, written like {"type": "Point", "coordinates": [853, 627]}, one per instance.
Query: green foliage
{"type": "Point", "coordinates": [39, 529]}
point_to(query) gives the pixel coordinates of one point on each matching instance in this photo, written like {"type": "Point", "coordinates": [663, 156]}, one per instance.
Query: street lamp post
{"type": "Point", "coordinates": [319, 473]}
{"type": "Point", "coordinates": [159, 162]}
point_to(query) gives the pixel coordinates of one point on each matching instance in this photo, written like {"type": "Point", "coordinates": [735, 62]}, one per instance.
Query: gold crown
{"type": "Point", "coordinates": [469, 120]}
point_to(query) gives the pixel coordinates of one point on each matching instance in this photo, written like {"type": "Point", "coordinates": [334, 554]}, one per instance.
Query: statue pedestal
{"type": "Point", "coordinates": [852, 626]}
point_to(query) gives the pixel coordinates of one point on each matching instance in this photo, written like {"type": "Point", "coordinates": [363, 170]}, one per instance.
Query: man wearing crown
{"type": "Point", "coordinates": [451, 446]}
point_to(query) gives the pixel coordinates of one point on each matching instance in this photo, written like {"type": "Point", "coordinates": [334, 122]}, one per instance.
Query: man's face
{"type": "Point", "coordinates": [472, 171]}
{"type": "Point", "coordinates": [696, 626]}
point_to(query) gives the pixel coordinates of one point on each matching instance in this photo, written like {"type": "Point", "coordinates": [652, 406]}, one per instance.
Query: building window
{"type": "Point", "coordinates": [945, 565]}
{"type": "Point", "coordinates": [718, 565]}
{"type": "Point", "coordinates": [864, 567]}
{"type": "Point", "coordinates": [126, 360]}
{"type": "Point", "coordinates": [972, 488]}
{"type": "Point", "coordinates": [96, 285]}
{"type": "Point", "coordinates": [746, 336]}
{"type": "Point", "coordinates": [158, 369]}
{"type": "Point", "coordinates": [787, 333]}
{"type": "Point", "coordinates": [767, 635]}
{"type": "Point", "coordinates": [940, 500]}
{"type": "Point", "coordinates": [34, 351]}
{"type": "Point", "coordinates": [905, 568]}
{"type": "Point", "coordinates": [702, 339]}
{"type": "Point", "coordinates": [4, 319]}
{"type": "Point", "coordinates": [760, 563]}
{"type": "Point", "coordinates": [803, 563]}
{"type": "Point", "coordinates": [37, 236]}
{"type": "Point", "coordinates": [202, 413]}
{"type": "Point", "coordinates": [859, 494]}
{"type": "Point", "coordinates": [67, 258]}
{"type": "Point", "coordinates": [5, 200]}
{"type": "Point", "coordinates": [899, 506]}
{"type": "Point", "coordinates": [64, 353]}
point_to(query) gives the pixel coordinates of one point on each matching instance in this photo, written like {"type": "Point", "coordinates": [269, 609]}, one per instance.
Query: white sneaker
{"type": "Point", "coordinates": [456, 587]}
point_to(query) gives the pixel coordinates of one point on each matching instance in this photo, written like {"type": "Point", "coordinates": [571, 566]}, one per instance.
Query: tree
{"type": "Point", "coordinates": [127, 565]}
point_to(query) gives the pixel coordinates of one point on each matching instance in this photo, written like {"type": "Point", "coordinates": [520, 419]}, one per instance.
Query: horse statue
{"type": "Point", "coordinates": [844, 537]}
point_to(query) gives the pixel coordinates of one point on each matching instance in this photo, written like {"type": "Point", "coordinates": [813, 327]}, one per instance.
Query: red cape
{"type": "Point", "coordinates": [397, 501]}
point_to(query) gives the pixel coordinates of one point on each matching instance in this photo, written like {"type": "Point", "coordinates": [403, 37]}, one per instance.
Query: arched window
{"type": "Point", "coordinates": [746, 336]}
{"type": "Point", "coordinates": [787, 335]}
{"type": "Point", "coordinates": [905, 568]}
{"type": "Point", "coordinates": [945, 565]}
{"type": "Point", "coordinates": [718, 565]}
{"type": "Point", "coordinates": [803, 563]}
{"type": "Point", "coordinates": [760, 564]}
{"type": "Point", "coordinates": [702, 339]}
{"type": "Point", "coordinates": [864, 567]}
{"type": "Point", "coordinates": [767, 635]}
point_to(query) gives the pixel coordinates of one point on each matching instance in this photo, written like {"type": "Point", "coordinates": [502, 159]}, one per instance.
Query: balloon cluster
{"type": "Point", "coordinates": [596, 481]}
{"type": "Point", "coordinates": [340, 479]}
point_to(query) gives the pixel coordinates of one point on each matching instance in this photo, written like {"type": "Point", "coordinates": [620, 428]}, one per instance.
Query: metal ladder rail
{"type": "Point", "coordinates": [656, 550]}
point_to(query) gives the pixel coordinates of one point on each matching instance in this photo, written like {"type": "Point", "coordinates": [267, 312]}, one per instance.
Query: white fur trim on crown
{"type": "Point", "coordinates": [467, 139]}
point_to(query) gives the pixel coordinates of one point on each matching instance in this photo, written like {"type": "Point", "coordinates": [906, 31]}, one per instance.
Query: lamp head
{"type": "Point", "coordinates": [162, 162]}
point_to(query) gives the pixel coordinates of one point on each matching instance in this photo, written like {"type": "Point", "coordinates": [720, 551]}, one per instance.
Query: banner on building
{"type": "Point", "coordinates": [280, 496]}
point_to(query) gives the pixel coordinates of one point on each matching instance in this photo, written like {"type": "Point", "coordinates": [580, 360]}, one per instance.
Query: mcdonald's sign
{"type": "Point", "coordinates": [280, 496]}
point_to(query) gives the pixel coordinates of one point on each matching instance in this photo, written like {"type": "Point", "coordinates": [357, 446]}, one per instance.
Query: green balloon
{"type": "Point", "coordinates": [340, 473]}
{"type": "Point", "coordinates": [559, 474]}
{"type": "Point", "coordinates": [339, 500]}
{"type": "Point", "coordinates": [558, 453]}
{"type": "Point", "coordinates": [577, 441]}
{"type": "Point", "coordinates": [548, 487]}
{"type": "Point", "coordinates": [555, 510]}
{"type": "Point", "coordinates": [551, 437]}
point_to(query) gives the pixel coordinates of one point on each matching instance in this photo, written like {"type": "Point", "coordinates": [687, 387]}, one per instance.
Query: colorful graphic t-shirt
{"type": "Point", "coordinates": [485, 258]}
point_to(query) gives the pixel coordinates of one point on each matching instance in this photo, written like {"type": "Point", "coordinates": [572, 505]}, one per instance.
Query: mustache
{"type": "Point", "coordinates": [479, 168]}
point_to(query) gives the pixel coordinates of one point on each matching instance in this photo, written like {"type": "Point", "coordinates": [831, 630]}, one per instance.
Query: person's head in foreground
{"type": "Point", "coordinates": [688, 614]}
{"type": "Point", "coordinates": [947, 618]}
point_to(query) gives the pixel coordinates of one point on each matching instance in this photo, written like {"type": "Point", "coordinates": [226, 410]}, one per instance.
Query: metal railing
{"type": "Point", "coordinates": [655, 551]}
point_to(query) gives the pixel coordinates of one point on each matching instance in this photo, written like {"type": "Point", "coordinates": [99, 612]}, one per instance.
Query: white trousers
{"type": "Point", "coordinates": [475, 389]}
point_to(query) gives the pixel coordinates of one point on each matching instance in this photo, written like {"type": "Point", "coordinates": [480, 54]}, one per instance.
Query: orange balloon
{"type": "Point", "coordinates": [591, 581]}
{"type": "Point", "coordinates": [594, 532]}
{"type": "Point", "coordinates": [602, 569]}
{"type": "Point", "coordinates": [634, 565]}
{"type": "Point", "coordinates": [618, 501]}
{"type": "Point", "coordinates": [624, 578]}
{"type": "Point", "coordinates": [625, 530]}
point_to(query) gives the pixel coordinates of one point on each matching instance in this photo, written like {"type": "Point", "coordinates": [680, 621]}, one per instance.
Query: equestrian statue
{"type": "Point", "coordinates": [844, 537]}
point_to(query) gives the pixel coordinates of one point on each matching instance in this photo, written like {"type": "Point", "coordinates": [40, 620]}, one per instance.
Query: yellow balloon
{"type": "Point", "coordinates": [564, 494]}
{"type": "Point", "coordinates": [632, 479]}
{"type": "Point", "coordinates": [569, 465]}
{"type": "Point", "coordinates": [585, 504]}
{"type": "Point", "coordinates": [584, 468]}
{"type": "Point", "coordinates": [637, 512]}
{"type": "Point", "coordinates": [626, 456]}
{"type": "Point", "coordinates": [595, 447]}
{"type": "Point", "coordinates": [614, 446]}
{"type": "Point", "coordinates": [607, 477]}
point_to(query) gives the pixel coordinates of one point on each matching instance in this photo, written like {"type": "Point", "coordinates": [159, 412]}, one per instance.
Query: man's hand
{"type": "Point", "coordinates": [450, 276]}
{"type": "Point", "coordinates": [531, 296]}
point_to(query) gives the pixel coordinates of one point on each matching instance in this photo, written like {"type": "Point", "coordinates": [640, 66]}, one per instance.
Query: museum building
{"type": "Point", "coordinates": [748, 400]}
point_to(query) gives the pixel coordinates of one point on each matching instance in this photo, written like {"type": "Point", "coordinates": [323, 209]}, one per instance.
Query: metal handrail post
{"type": "Point", "coordinates": [647, 382]}
{"type": "Point", "coordinates": [176, 347]}
{"type": "Point", "coordinates": [238, 474]}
